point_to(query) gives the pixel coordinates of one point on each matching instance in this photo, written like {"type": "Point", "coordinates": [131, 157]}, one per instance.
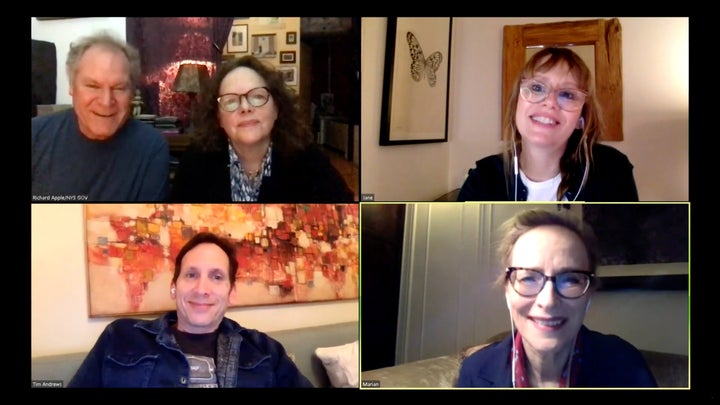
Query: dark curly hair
{"type": "Point", "coordinates": [291, 132]}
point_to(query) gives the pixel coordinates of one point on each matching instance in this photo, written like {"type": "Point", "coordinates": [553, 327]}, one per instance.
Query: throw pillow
{"type": "Point", "coordinates": [341, 364]}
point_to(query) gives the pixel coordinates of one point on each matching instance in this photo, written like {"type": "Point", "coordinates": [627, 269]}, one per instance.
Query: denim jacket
{"type": "Point", "coordinates": [144, 353]}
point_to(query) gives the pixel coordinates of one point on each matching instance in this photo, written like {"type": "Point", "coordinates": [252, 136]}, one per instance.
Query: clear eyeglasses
{"type": "Point", "coordinates": [529, 282]}
{"type": "Point", "coordinates": [569, 99]}
{"type": "Point", "coordinates": [256, 97]}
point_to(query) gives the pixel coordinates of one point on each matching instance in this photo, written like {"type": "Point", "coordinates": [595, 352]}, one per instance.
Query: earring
{"type": "Point", "coordinates": [172, 290]}
{"type": "Point", "coordinates": [581, 123]}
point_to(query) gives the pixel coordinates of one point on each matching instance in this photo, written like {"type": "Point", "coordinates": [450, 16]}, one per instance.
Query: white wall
{"type": "Point", "coordinates": [393, 173]}
{"type": "Point", "coordinates": [64, 32]}
{"type": "Point", "coordinates": [655, 109]}
{"type": "Point", "coordinates": [59, 307]}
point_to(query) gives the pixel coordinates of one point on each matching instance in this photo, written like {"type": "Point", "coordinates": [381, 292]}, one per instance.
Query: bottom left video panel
{"type": "Point", "coordinates": [195, 295]}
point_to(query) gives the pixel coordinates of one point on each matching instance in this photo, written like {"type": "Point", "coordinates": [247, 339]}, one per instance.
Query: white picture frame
{"type": "Point", "coordinates": [264, 46]}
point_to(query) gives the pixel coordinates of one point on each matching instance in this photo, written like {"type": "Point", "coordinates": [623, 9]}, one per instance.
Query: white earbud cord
{"type": "Point", "coordinates": [514, 352]}
{"type": "Point", "coordinates": [515, 164]}
{"type": "Point", "coordinates": [582, 183]}
{"type": "Point", "coordinates": [515, 355]}
{"type": "Point", "coordinates": [517, 172]}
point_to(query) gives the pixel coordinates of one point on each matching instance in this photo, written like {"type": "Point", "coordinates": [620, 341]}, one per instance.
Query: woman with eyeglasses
{"type": "Point", "coordinates": [252, 144]}
{"type": "Point", "coordinates": [551, 150]}
{"type": "Point", "coordinates": [549, 262]}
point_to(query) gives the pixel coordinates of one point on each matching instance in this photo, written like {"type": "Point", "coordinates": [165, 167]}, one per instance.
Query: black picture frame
{"type": "Point", "coordinates": [287, 57]}
{"type": "Point", "coordinates": [415, 96]}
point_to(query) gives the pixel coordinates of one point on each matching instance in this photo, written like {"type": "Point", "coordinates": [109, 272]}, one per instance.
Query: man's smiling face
{"type": "Point", "coordinates": [102, 92]}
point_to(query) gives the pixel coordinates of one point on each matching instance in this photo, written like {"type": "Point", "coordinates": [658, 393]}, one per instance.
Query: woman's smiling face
{"type": "Point", "coordinates": [545, 124]}
{"type": "Point", "coordinates": [546, 321]}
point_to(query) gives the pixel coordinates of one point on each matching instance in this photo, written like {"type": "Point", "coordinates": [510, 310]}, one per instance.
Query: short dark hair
{"type": "Point", "coordinates": [208, 237]}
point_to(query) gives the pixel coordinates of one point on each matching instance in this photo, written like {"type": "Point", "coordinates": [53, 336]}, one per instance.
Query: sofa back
{"type": "Point", "coordinates": [669, 370]}
{"type": "Point", "coordinates": [299, 343]}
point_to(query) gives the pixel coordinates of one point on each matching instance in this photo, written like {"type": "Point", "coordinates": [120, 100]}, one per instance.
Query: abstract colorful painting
{"type": "Point", "coordinates": [287, 253]}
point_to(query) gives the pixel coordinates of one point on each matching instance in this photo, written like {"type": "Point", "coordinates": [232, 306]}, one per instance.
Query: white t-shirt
{"type": "Point", "coordinates": [541, 190]}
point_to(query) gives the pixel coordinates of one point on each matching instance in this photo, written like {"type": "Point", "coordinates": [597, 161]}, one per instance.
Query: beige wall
{"type": "Point", "coordinates": [655, 109]}
{"type": "Point", "coordinates": [262, 26]}
{"type": "Point", "coordinates": [59, 313]}
{"type": "Point", "coordinates": [393, 173]}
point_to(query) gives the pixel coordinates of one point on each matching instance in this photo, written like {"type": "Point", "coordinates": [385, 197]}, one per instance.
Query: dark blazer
{"type": "Point", "coordinates": [204, 177]}
{"type": "Point", "coordinates": [610, 179]}
{"type": "Point", "coordinates": [608, 361]}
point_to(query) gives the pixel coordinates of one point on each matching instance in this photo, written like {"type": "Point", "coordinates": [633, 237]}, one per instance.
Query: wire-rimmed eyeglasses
{"type": "Point", "coordinates": [256, 97]}
{"type": "Point", "coordinates": [529, 282]}
{"type": "Point", "coordinates": [568, 99]}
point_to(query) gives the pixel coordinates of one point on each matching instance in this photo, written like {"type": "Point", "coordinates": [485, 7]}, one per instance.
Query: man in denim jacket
{"type": "Point", "coordinates": [194, 346]}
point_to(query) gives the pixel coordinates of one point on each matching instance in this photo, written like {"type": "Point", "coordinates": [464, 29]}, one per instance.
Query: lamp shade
{"type": "Point", "coordinates": [189, 77]}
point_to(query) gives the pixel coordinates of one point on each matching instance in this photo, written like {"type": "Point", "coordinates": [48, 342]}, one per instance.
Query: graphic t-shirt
{"type": "Point", "coordinates": [200, 350]}
{"type": "Point", "coordinates": [202, 372]}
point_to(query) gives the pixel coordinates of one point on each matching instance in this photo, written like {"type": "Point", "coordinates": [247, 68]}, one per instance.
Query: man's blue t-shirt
{"type": "Point", "coordinates": [132, 165]}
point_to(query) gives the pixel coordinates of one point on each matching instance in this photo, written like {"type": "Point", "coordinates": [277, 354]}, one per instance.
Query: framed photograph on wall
{"type": "Point", "coordinates": [415, 86]}
{"type": "Point", "coordinates": [291, 38]}
{"type": "Point", "coordinates": [289, 74]}
{"type": "Point", "coordinates": [286, 253]}
{"type": "Point", "coordinates": [263, 46]}
{"type": "Point", "coordinates": [287, 56]}
{"type": "Point", "coordinates": [238, 39]}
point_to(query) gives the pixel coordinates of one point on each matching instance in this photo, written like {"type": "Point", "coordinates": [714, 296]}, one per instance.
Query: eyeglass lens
{"type": "Point", "coordinates": [256, 97]}
{"type": "Point", "coordinates": [568, 99]}
{"type": "Point", "coordinates": [527, 282]}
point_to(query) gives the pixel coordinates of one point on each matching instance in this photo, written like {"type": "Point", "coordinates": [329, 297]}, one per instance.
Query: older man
{"type": "Point", "coordinates": [95, 151]}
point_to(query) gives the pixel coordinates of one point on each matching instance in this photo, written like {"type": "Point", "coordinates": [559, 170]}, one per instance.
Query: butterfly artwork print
{"type": "Point", "coordinates": [420, 66]}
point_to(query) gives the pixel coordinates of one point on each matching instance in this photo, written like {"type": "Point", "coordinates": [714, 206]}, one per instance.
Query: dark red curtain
{"type": "Point", "coordinates": [165, 42]}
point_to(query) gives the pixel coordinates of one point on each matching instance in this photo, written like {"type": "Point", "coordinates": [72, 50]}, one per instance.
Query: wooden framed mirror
{"type": "Point", "coordinates": [602, 35]}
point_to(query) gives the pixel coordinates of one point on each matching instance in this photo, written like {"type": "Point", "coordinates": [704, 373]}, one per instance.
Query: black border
{"type": "Point", "coordinates": [388, 84]}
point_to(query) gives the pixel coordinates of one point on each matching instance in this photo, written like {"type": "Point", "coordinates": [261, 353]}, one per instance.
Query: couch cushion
{"type": "Point", "coordinates": [669, 370]}
{"type": "Point", "coordinates": [59, 367]}
{"type": "Point", "coordinates": [436, 372]}
{"type": "Point", "coordinates": [301, 344]}
{"type": "Point", "coordinates": [341, 364]}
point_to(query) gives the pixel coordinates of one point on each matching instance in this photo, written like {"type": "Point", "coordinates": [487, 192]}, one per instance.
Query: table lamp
{"type": "Point", "coordinates": [189, 78]}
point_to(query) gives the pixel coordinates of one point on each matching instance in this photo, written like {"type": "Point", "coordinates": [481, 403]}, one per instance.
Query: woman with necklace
{"type": "Point", "coordinates": [549, 263]}
{"type": "Point", "coordinates": [251, 144]}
